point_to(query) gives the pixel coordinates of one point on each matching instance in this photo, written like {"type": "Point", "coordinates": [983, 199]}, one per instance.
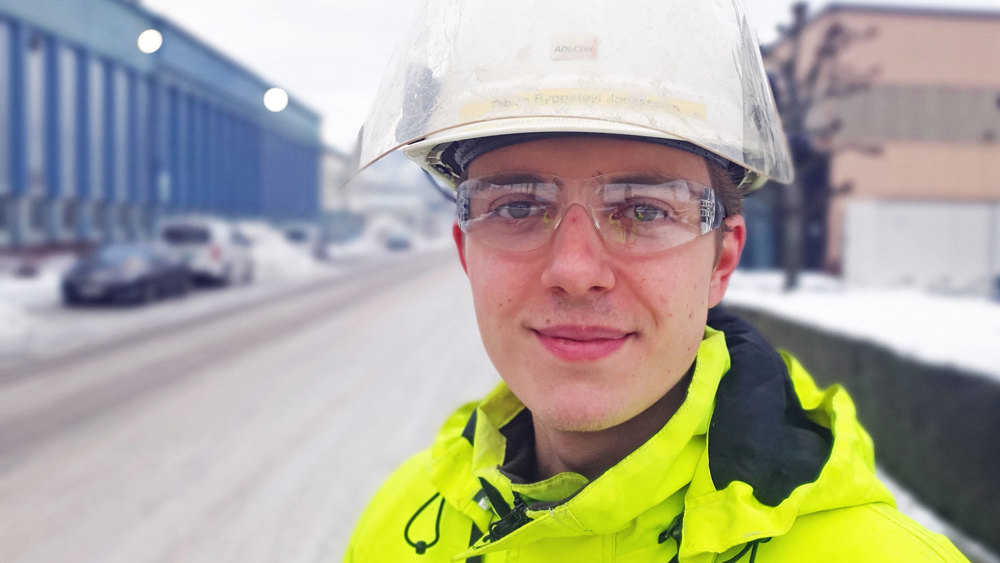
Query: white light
{"type": "Point", "coordinates": [150, 41]}
{"type": "Point", "coordinates": [276, 99]}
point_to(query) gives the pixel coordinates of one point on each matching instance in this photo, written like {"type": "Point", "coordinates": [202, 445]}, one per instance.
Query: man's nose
{"type": "Point", "coordinates": [578, 261]}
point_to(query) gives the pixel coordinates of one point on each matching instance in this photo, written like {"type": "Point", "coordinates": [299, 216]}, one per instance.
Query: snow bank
{"type": "Point", "coordinates": [41, 290]}
{"type": "Point", "coordinates": [275, 257]}
{"type": "Point", "coordinates": [943, 329]}
{"type": "Point", "coordinates": [15, 328]}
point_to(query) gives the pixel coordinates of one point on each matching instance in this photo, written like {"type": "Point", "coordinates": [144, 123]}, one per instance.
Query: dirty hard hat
{"type": "Point", "coordinates": [676, 71]}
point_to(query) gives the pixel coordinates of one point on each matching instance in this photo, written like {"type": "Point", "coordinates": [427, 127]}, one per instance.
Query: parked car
{"type": "Point", "coordinates": [132, 272]}
{"type": "Point", "coordinates": [398, 242]}
{"type": "Point", "coordinates": [215, 251]}
{"type": "Point", "coordinates": [307, 236]}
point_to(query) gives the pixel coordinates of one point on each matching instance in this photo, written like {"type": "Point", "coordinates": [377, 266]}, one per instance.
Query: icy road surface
{"type": "Point", "coordinates": [256, 437]}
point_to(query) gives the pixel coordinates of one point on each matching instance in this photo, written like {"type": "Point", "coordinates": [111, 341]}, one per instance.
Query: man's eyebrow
{"type": "Point", "coordinates": [515, 177]}
{"type": "Point", "coordinates": [638, 177]}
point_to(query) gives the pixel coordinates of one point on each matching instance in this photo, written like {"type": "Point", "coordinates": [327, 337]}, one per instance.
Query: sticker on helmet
{"type": "Point", "coordinates": [574, 47]}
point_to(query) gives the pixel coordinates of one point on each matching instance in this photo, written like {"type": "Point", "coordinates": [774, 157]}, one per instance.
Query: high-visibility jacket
{"type": "Point", "coordinates": [759, 465]}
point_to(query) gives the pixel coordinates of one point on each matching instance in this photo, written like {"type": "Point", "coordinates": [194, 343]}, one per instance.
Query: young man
{"type": "Point", "coordinates": [598, 201]}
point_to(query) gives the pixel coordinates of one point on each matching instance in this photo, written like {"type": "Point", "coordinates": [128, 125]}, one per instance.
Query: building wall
{"type": "Point", "coordinates": [927, 127]}
{"type": "Point", "coordinates": [945, 246]}
{"type": "Point", "coordinates": [98, 140]}
{"type": "Point", "coordinates": [925, 47]}
{"type": "Point", "coordinates": [914, 171]}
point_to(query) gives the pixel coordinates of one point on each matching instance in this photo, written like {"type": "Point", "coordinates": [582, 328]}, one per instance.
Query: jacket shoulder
{"type": "Point", "coordinates": [869, 532]}
{"type": "Point", "coordinates": [379, 533]}
{"type": "Point", "coordinates": [410, 509]}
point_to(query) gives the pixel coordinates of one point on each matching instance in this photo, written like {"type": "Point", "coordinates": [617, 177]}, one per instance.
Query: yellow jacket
{"type": "Point", "coordinates": [741, 472]}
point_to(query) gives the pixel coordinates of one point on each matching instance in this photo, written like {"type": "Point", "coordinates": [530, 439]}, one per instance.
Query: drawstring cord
{"type": "Point", "coordinates": [421, 546]}
{"type": "Point", "coordinates": [751, 547]}
{"type": "Point", "coordinates": [673, 532]}
{"type": "Point", "coordinates": [515, 518]}
{"type": "Point", "coordinates": [511, 518]}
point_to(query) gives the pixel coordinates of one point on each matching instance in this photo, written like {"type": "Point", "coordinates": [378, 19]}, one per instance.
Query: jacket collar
{"type": "Point", "coordinates": [472, 445]}
{"type": "Point", "coordinates": [656, 470]}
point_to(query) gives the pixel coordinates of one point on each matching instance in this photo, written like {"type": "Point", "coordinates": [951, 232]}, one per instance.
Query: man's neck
{"type": "Point", "coordinates": [592, 453]}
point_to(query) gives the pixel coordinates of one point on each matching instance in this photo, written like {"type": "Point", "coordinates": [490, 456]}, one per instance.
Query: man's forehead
{"type": "Point", "coordinates": [584, 157]}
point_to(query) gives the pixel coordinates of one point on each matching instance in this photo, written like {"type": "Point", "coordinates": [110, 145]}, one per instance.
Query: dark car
{"type": "Point", "coordinates": [134, 273]}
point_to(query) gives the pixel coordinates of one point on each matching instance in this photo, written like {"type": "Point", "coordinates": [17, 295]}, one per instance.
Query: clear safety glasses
{"type": "Point", "coordinates": [634, 213]}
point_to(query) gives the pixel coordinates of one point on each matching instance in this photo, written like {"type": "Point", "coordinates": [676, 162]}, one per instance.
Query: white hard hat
{"type": "Point", "coordinates": [687, 70]}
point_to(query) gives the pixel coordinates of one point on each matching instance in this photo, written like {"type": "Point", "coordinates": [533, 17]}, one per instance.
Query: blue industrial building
{"type": "Point", "coordinates": [98, 140]}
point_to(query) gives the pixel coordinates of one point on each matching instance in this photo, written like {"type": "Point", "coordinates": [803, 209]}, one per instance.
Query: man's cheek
{"type": "Point", "coordinates": [494, 286]}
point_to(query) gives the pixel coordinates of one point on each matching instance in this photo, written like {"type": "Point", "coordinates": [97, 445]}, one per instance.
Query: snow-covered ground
{"type": "Point", "coordinates": [958, 330]}
{"type": "Point", "coordinates": [275, 257]}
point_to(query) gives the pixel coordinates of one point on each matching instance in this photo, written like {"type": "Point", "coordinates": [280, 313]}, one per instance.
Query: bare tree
{"type": "Point", "coordinates": [802, 84]}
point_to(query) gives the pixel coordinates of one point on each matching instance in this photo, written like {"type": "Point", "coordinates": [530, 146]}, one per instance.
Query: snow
{"type": "Point", "coordinates": [275, 257]}
{"type": "Point", "coordinates": [958, 330]}
{"type": "Point", "coordinates": [15, 327]}
{"type": "Point", "coordinates": [36, 291]}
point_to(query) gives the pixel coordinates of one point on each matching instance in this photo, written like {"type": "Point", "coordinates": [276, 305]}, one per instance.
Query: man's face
{"type": "Point", "coordinates": [586, 337]}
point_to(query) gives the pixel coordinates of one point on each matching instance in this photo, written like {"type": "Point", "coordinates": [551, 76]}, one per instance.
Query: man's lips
{"type": "Point", "coordinates": [582, 343]}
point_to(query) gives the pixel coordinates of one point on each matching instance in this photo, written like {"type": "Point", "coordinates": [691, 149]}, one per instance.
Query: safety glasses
{"type": "Point", "coordinates": [634, 212]}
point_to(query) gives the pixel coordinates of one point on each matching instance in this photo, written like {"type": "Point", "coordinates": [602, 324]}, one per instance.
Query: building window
{"type": "Point", "coordinates": [36, 214]}
{"type": "Point", "coordinates": [96, 120]}
{"type": "Point", "coordinates": [147, 219]}
{"type": "Point", "coordinates": [118, 178]}
{"type": "Point", "coordinates": [68, 119]}
{"type": "Point", "coordinates": [99, 215]}
{"type": "Point", "coordinates": [5, 38]}
{"type": "Point", "coordinates": [69, 212]}
{"type": "Point", "coordinates": [35, 106]}
{"type": "Point", "coordinates": [123, 214]}
{"type": "Point", "coordinates": [4, 213]}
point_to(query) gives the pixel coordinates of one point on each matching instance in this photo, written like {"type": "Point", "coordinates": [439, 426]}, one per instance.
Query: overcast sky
{"type": "Point", "coordinates": [330, 54]}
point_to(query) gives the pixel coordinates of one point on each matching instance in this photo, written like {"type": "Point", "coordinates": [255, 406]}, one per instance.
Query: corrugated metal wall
{"type": "Point", "coordinates": [99, 140]}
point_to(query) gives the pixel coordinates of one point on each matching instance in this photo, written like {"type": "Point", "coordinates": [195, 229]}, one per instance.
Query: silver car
{"type": "Point", "coordinates": [215, 251]}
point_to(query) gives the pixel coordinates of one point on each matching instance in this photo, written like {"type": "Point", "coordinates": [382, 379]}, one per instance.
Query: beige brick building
{"type": "Point", "coordinates": [931, 112]}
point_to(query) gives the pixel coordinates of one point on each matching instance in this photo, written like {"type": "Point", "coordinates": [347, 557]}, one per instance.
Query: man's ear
{"type": "Point", "coordinates": [729, 257]}
{"type": "Point", "coordinates": [459, 236]}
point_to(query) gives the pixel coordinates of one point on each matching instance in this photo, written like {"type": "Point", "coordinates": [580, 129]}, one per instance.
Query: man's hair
{"type": "Point", "coordinates": [727, 190]}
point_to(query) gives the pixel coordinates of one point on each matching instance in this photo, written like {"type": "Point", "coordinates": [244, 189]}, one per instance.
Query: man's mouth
{"type": "Point", "coordinates": [574, 343]}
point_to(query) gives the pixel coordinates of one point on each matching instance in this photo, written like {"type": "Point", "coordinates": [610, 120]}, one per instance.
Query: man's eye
{"type": "Point", "coordinates": [516, 209]}
{"type": "Point", "coordinates": [644, 213]}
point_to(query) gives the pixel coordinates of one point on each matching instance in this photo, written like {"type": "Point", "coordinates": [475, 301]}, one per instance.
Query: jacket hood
{"type": "Point", "coordinates": [741, 459]}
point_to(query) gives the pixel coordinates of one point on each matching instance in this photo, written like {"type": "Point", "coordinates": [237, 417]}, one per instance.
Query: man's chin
{"type": "Point", "coordinates": [576, 417]}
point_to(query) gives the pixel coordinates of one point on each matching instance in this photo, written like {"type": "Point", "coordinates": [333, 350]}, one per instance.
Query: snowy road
{"type": "Point", "coordinates": [256, 436]}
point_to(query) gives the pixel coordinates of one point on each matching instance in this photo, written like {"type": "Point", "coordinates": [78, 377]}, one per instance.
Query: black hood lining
{"type": "Point", "coordinates": [759, 433]}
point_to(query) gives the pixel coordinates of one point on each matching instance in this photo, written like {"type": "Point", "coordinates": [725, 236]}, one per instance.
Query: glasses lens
{"type": "Point", "coordinates": [645, 216]}
{"type": "Point", "coordinates": [517, 215]}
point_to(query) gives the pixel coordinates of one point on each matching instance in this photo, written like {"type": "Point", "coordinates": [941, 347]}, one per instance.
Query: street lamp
{"type": "Point", "coordinates": [276, 99]}
{"type": "Point", "coordinates": [150, 41]}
